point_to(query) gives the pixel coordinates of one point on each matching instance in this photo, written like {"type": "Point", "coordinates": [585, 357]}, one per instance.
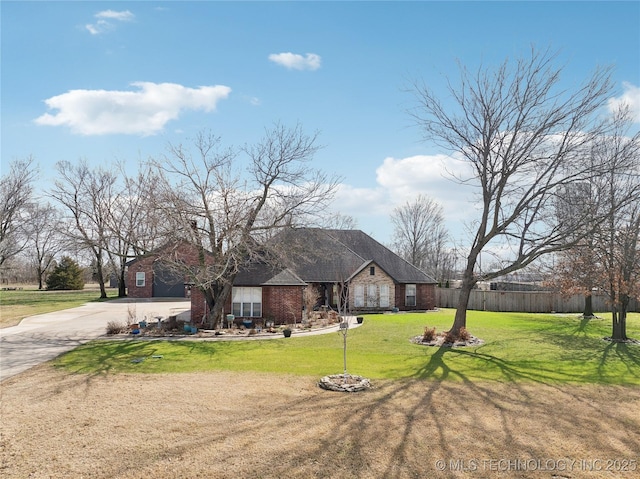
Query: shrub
{"type": "Point", "coordinates": [67, 275]}
{"type": "Point", "coordinates": [115, 327]}
{"type": "Point", "coordinates": [429, 334]}
{"type": "Point", "coordinates": [464, 335]}
{"type": "Point", "coordinates": [449, 337]}
{"type": "Point", "coordinates": [131, 315]}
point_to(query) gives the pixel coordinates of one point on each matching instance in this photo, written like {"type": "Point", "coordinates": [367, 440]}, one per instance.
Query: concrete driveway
{"type": "Point", "coordinates": [44, 337]}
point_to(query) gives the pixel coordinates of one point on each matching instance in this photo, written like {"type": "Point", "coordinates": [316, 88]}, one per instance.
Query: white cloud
{"type": "Point", "coordinates": [294, 61]}
{"type": "Point", "coordinates": [141, 112]}
{"type": "Point", "coordinates": [252, 100]}
{"type": "Point", "coordinates": [125, 16]}
{"type": "Point", "coordinates": [631, 98]}
{"type": "Point", "coordinates": [399, 180]}
{"type": "Point", "coordinates": [106, 19]}
{"type": "Point", "coordinates": [358, 202]}
{"type": "Point", "coordinates": [405, 178]}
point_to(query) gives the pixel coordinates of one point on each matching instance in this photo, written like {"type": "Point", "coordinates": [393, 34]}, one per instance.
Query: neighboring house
{"type": "Point", "coordinates": [317, 264]}
{"type": "Point", "coordinates": [148, 276]}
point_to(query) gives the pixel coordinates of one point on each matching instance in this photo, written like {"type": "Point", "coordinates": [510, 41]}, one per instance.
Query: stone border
{"type": "Point", "coordinates": [347, 383]}
{"type": "Point", "coordinates": [439, 342]}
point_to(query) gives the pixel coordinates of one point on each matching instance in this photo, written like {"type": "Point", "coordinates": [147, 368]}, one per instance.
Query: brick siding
{"type": "Point", "coordinates": [144, 265]}
{"type": "Point", "coordinates": [182, 252]}
{"type": "Point", "coordinates": [425, 297]}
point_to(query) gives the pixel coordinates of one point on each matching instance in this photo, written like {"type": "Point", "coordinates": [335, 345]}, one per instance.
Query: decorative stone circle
{"type": "Point", "coordinates": [439, 342]}
{"type": "Point", "coordinates": [347, 383]}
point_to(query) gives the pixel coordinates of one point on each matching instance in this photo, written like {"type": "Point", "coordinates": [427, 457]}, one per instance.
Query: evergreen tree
{"type": "Point", "coordinates": [67, 275]}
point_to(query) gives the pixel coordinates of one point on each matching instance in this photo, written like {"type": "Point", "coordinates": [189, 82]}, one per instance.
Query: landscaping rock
{"type": "Point", "coordinates": [439, 341]}
{"type": "Point", "coordinates": [344, 383]}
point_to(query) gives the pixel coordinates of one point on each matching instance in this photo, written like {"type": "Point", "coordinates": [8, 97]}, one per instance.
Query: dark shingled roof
{"type": "Point", "coordinates": [369, 249]}
{"type": "Point", "coordinates": [262, 274]}
{"type": "Point", "coordinates": [316, 255]}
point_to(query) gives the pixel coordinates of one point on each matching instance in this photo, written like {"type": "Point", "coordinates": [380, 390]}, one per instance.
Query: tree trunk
{"type": "Point", "coordinates": [40, 275]}
{"type": "Point", "coordinates": [618, 332]}
{"type": "Point", "coordinates": [217, 310]}
{"type": "Point", "coordinates": [216, 297]}
{"type": "Point", "coordinates": [469, 280]}
{"type": "Point", "coordinates": [100, 274]}
{"type": "Point", "coordinates": [122, 285]}
{"type": "Point", "coordinates": [103, 288]}
{"type": "Point", "coordinates": [588, 306]}
{"type": "Point", "coordinates": [460, 321]}
{"type": "Point", "coordinates": [619, 320]}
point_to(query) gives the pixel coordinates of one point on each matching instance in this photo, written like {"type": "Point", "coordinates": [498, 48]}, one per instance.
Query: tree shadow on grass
{"type": "Point", "coordinates": [124, 356]}
{"type": "Point", "coordinates": [104, 357]}
{"type": "Point", "coordinates": [443, 403]}
{"type": "Point", "coordinates": [627, 354]}
{"type": "Point", "coordinates": [581, 344]}
{"type": "Point", "coordinates": [395, 431]}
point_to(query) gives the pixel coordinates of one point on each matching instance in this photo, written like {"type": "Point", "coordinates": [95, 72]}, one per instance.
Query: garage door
{"type": "Point", "coordinates": [167, 283]}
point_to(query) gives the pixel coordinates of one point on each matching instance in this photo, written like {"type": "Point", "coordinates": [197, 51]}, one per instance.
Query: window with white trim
{"type": "Point", "coordinates": [410, 295]}
{"type": "Point", "coordinates": [384, 295]}
{"type": "Point", "coordinates": [359, 296]}
{"type": "Point", "coordinates": [140, 279]}
{"type": "Point", "coordinates": [372, 296]}
{"type": "Point", "coordinates": [246, 302]}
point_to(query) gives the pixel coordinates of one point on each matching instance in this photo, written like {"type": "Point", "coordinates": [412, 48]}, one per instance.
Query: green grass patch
{"type": "Point", "coordinates": [518, 347]}
{"type": "Point", "coordinates": [19, 304]}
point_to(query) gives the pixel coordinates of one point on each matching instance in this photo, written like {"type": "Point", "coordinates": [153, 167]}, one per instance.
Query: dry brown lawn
{"type": "Point", "coordinates": [247, 425]}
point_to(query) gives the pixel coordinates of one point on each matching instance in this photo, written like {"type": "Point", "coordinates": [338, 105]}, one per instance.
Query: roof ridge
{"type": "Point", "coordinates": [371, 238]}
{"type": "Point", "coordinates": [347, 246]}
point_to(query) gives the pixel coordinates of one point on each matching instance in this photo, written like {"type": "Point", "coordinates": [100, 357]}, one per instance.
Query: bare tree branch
{"type": "Point", "coordinates": [523, 136]}
{"type": "Point", "coordinates": [16, 193]}
{"type": "Point", "coordinates": [226, 212]}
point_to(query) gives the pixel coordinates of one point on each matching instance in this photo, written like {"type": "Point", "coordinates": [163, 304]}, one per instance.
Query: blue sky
{"type": "Point", "coordinates": [112, 81]}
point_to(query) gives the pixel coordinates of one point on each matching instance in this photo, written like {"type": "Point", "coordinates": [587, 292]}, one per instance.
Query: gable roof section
{"type": "Point", "coordinates": [263, 274]}
{"type": "Point", "coordinates": [316, 257]}
{"type": "Point", "coordinates": [319, 255]}
{"type": "Point", "coordinates": [285, 277]}
{"type": "Point", "coordinates": [366, 247]}
{"type": "Point", "coordinates": [364, 267]}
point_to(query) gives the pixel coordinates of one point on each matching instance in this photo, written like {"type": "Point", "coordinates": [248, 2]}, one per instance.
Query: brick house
{"type": "Point", "coordinates": [318, 264]}
{"type": "Point", "coordinates": [152, 276]}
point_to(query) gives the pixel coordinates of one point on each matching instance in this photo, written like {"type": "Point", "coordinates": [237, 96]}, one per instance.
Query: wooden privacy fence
{"type": "Point", "coordinates": [525, 301]}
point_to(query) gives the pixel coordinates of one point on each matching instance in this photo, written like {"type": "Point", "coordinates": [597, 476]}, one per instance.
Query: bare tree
{"type": "Point", "coordinates": [227, 212]}
{"type": "Point", "coordinates": [338, 221]}
{"type": "Point", "coordinates": [16, 193]}
{"type": "Point", "coordinates": [131, 223]}
{"type": "Point", "coordinates": [617, 246]}
{"type": "Point", "coordinates": [574, 269]}
{"type": "Point", "coordinates": [88, 196]}
{"type": "Point", "coordinates": [523, 138]}
{"type": "Point", "coordinates": [420, 236]}
{"type": "Point", "coordinates": [605, 257]}
{"type": "Point", "coordinates": [45, 240]}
